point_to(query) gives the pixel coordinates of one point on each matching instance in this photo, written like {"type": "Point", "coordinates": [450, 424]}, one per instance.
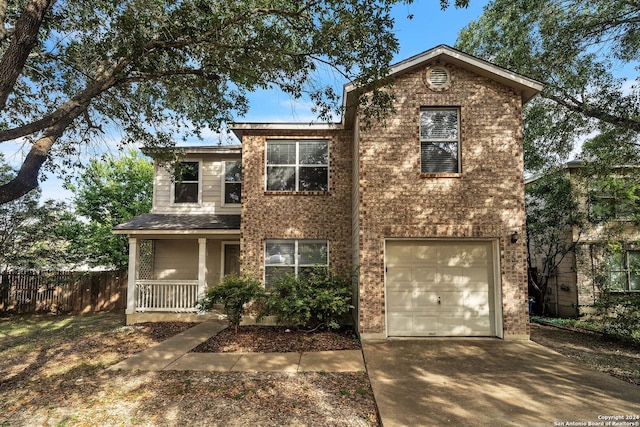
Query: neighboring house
{"type": "Point", "coordinates": [605, 251]}
{"type": "Point", "coordinates": [426, 208]}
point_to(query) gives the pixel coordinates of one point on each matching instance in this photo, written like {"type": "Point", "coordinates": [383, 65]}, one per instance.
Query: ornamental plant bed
{"type": "Point", "coordinates": [278, 339]}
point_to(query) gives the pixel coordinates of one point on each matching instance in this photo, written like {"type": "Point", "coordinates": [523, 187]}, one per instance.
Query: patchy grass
{"type": "Point", "coordinates": [615, 357]}
{"type": "Point", "coordinates": [52, 373]}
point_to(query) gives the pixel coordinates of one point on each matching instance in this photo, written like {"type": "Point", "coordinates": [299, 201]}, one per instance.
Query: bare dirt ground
{"type": "Point", "coordinates": [277, 339]}
{"type": "Point", "coordinates": [53, 373]}
{"type": "Point", "coordinates": [614, 357]}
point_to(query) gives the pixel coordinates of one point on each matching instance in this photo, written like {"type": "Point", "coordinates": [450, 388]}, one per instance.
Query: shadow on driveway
{"type": "Point", "coordinates": [490, 382]}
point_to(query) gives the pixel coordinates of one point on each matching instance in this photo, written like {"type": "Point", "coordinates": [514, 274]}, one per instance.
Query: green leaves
{"type": "Point", "coordinates": [233, 292]}
{"type": "Point", "coordinates": [312, 300]}
{"type": "Point", "coordinates": [107, 193]}
{"type": "Point", "coordinates": [577, 48]}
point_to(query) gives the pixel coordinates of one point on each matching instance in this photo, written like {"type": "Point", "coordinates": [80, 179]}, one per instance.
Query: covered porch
{"type": "Point", "coordinates": [174, 258]}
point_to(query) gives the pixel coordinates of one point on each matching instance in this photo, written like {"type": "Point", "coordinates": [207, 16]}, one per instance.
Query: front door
{"type": "Point", "coordinates": [231, 259]}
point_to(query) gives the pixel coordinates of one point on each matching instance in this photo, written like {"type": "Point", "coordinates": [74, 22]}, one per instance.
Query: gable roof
{"type": "Point", "coordinates": [527, 87]}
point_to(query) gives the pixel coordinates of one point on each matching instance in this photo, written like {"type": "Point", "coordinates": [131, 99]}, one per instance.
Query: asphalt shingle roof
{"type": "Point", "coordinates": [181, 222]}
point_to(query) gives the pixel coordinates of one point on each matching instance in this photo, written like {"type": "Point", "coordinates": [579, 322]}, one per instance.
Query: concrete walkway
{"type": "Point", "coordinates": [490, 382]}
{"type": "Point", "coordinates": [173, 355]}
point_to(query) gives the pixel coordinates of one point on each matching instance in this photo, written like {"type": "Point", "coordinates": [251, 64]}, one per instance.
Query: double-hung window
{"type": "Point", "coordinates": [614, 199]}
{"type": "Point", "coordinates": [439, 140]}
{"type": "Point", "coordinates": [187, 182]}
{"type": "Point", "coordinates": [293, 257]}
{"type": "Point", "coordinates": [624, 271]}
{"type": "Point", "coordinates": [297, 166]}
{"type": "Point", "coordinates": [232, 182]}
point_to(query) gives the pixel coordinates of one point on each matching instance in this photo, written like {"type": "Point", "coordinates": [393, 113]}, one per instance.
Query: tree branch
{"type": "Point", "coordinates": [581, 107]}
{"type": "Point", "coordinates": [27, 178]}
{"type": "Point", "coordinates": [143, 77]}
{"type": "Point", "coordinates": [4, 33]}
{"type": "Point", "coordinates": [24, 39]}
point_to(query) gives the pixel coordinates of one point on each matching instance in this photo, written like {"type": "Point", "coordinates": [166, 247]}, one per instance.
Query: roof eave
{"type": "Point", "coordinates": [240, 128]}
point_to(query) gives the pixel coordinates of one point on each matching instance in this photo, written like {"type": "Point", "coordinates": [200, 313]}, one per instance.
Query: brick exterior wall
{"type": "Point", "coordinates": [485, 201]}
{"type": "Point", "coordinates": [270, 215]}
{"type": "Point", "coordinates": [392, 198]}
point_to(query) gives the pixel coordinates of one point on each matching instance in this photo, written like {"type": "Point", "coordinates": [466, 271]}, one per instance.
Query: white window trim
{"type": "Point", "coordinates": [459, 142]}
{"type": "Point", "coordinates": [173, 185]}
{"type": "Point", "coordinates": [626, 270]}
{"type": "Point", "coordinates": [224, 181]}
{"type": "Point", "coordinates": [295, 255]}
{"type": "Point", "coordinates": [297, 165]}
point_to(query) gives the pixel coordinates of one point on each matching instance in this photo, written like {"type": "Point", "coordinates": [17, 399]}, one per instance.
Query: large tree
{"type": "Point", "coordinates": [32, 234]}
{"type": "Point", "coordinates": [164, 69]}
{"type": "Point", "coordinates": [110, 191]}
{"type": "Point", "coordinates": [585, 52]}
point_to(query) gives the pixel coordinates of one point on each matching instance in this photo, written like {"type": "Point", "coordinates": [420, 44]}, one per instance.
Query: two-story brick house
{"type": "Point", "coordinates": [425, 208]}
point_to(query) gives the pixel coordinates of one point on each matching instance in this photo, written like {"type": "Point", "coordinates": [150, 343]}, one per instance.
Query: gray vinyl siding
{"type": "Point", "coordinates": [212, 175]}
{"type": "Point", "coordinates": [176, 260]}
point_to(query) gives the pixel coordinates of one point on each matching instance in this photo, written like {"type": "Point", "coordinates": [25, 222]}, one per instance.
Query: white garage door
{"type": "Point", "coordinates": [439, 288]}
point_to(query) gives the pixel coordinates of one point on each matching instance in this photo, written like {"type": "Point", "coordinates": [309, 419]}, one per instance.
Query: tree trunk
{"type": "Point", "coordinates": [23, 41]}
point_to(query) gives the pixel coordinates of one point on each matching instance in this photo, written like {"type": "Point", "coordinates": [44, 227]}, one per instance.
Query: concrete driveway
{"type": "Point", "coordinates": [491, 382]}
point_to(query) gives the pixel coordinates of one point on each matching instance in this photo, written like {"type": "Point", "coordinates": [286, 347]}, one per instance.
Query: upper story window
{"type": "Point", "coordinates": [293, 257]}
{"type": "Point", "coordinates": [439, 140]}
{"type": "Point", "coordinates": [187, 183]}
{"type": "Point", "coordinates": [624, 271]}
{"type": "Point", "coordinates": [297, 166]}
{"type": "Point", "coordinates": [232, 182]}
{"type": "Point", "coordinates": [614, 199]}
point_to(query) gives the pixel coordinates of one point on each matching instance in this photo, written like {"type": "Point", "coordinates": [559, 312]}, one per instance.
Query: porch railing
{"type": "Point", "coordinates": [166, 295]}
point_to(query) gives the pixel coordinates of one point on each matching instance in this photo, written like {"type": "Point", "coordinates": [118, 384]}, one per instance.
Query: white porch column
{"type": "Point", "coordinates": [202, 265]}
{"type": "Point", "coordinates": [133, 273]}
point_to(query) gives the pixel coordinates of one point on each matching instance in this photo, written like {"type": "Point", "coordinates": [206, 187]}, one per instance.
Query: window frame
{"type": "Point", "coordinates": [297, 166]}
{"type": "Point", "coordinates": [624, 269]}
{"type": "Point", "coordinates": [296, 256]}
{"type": "Point", "coordinates": [616, 207]}
{"type": "Point", "coordinates": [199, 183]}
{"type": "Point", "coordinates": [225, 182]}
{"type": "Point", "coordinates": [458, 141]}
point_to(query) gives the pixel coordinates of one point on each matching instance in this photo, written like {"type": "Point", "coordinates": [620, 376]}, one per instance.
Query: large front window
{"type": "Point", "coordinates": [186, 182]}
{"type": "Point", "coordinates": [294, 257]}
{"type": "Point", "coordinates": [439, 140]}
{"type": "Point", "coordinates": [624, 271]}
{"type": "Point", "coordinates": [297, 166]}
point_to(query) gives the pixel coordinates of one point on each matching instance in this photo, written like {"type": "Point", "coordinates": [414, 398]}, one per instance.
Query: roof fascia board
{"type": "Point", "coordinates": [186, 232]}
{"type": "Point", "coordinates": [240, 128]}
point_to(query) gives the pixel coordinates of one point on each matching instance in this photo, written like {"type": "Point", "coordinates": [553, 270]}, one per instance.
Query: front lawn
{"type": "Point", "coordinates": [53, 373]}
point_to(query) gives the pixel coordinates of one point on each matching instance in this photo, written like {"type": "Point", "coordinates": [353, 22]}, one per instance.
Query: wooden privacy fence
{"type": "Point", "coordinates": [29, 292]}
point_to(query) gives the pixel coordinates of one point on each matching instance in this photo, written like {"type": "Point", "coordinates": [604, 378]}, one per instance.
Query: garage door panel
{"type": "Point", "coordinates": [424, 300]}
{"type": "Point", "coordinates": [479, 300]}
{"type": "Point", "coordinates": [409, 324]}
{"type": "Point", "coordinates": [400, 300]}
{"type": "Point", "coordinates": [399, 274]}
{"type": "Point", "coordinates": [425, 275]}
{"type": "Point", "coordinates": [439, 288]}
{"type": "Point", "coordinates": [477, 275]}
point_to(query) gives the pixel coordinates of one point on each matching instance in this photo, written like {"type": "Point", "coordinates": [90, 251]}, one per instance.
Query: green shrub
{"type": "Point", "coordinates": [233, 292]}
{"type": "Point", "coordinates": [619, 315]}
{"type": "Point", "coordinates": [312, 300]}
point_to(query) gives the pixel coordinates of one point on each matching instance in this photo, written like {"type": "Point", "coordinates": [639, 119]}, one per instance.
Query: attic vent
{"type": "Point", "coordinates": [438, 78]}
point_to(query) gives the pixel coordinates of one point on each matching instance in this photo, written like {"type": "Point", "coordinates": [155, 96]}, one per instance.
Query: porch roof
{"type": "Point", "coordinates": [179, 223]}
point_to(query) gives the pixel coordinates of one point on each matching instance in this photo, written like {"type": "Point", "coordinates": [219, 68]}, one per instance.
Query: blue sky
{"type": "Point", "coordinates": [428, 28]}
